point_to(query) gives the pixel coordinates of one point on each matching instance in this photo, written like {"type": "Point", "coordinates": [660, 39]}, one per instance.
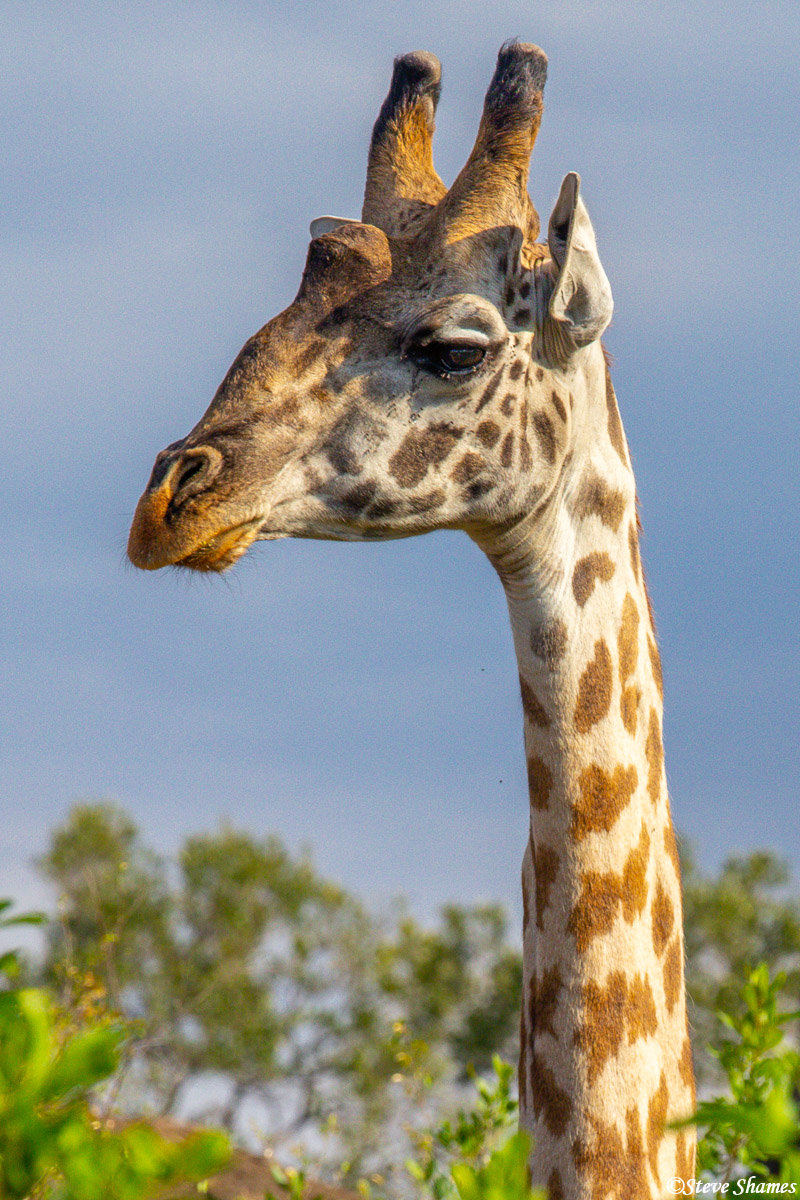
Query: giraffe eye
{"type": "Point", "coordinates": [461, 358]}
{"type": "Point", "coordinates": [451, 359]}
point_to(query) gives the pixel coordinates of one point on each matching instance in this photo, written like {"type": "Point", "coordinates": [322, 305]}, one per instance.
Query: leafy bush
{"type": "Point", "coordinates": [475, 1156]}
{"type": "Point", "coordinates": [52, 1143]}
{"type": "Point", "coordinates": [745, 914]}
{"type": "Point", "coordinates": [755, 1130]}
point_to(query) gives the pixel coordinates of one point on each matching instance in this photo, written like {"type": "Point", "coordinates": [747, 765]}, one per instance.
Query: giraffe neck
{"type": "Point", "coordinates": [605, 1058]}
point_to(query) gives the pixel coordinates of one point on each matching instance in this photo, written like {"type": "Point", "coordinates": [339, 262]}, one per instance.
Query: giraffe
{"type": "Point", "coordinates": [441, 368]}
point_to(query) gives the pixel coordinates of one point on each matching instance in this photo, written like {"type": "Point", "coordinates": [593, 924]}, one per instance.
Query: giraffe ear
{"type": "Point", "coordinates": [581, 302]}
{"type": "Point", "coordinates": [321, 225]}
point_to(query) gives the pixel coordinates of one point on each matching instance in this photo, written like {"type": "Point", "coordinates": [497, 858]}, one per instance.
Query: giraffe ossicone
{"type": "Point", "coordinates": [322, 225]}
{"type": "Point", "coordinates": [441, 368]}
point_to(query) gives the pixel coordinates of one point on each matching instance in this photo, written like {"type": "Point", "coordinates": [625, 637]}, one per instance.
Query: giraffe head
{"type": "Point", "coordinates": [425, 374]}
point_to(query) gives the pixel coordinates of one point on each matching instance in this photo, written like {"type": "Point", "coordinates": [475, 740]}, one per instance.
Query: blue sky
{"type": "Point", "coordinates": [162, 165]}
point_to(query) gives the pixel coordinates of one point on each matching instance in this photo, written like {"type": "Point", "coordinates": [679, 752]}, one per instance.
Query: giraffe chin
{"type": "Point", "coordinates": [223, 549]}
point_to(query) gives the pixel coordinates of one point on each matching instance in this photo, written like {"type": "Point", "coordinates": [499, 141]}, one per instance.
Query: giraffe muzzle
{"type": "Point", "coordinates": [173, 525]}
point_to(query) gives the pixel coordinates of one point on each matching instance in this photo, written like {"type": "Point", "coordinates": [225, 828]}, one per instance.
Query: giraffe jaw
{"type": "Point", "coordinates": [223, 549]}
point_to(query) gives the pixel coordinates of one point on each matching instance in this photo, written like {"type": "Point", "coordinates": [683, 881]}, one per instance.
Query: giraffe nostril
{"type": "Point", "coordinates": [191, 470]}
{"type": "Point", "coordinates": [195, 472]}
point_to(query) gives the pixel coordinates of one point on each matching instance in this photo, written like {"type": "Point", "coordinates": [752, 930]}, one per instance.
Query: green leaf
{"type": "Point", "coordinates": [85, 1060]}
{"type": "Point", "coordinates": [33, 1009]}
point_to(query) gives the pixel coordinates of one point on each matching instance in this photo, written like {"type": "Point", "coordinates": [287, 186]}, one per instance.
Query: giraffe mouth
{"type": "Point", "coordinates": [223, 549]}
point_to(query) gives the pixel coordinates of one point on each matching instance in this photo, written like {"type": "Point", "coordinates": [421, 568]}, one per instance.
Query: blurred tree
{"type": "Point", "coordinates": [459, 984]}
{"type": "Point", "coordinates": [244, 963]}
{"type": "Point", "coordinates": [113, 898]}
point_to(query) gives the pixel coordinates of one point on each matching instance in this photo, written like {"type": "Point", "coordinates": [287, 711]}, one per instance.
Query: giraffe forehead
{"type": "Point", "coordinates": [358, 264]}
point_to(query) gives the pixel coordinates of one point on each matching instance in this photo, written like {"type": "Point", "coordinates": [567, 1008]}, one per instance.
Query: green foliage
{"type": "Point", "coordinates": [503, 1177]}
{"type": "Point", "coordinates": [294, 1182]}
{"type": "Point", "coordinates": [755, 1130]}
{"type": "Point", "coordinates": [743, 916]}
{"type": "Point", "coordinates": [10, 966]}
{"type": "Point", "coordinates": [472, 1149]}
{"type": "Point", "coordinates": [52, 1143]}
{"type": "Point", "coordinates": [476, 1155]}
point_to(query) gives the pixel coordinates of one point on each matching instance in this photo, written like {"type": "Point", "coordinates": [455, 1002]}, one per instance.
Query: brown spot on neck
{"type": "Point", "coordinates": [558, 405]}
{"type": "Point", "coordinates": [555, 1185]}
{"type": "Point", "coordinates": [549, 1100]}
{"type": "Point", "coordinates": [655, 665]}
{"type": "Point", "coordinates": [673, 973]}
{"type": "Point", "coordinates": [543, 1002]}
{"type": "Point", "coordinates": [540, 782]}
{"type": "Point", "coordinates": [633, 546]}
{"type": "Point", "coordinates": [628, 638]}
{"type": "Point", "coordinates": [467, 467]}
{"type": "Point", "coordinates": [633, 889]}
{"type": "Point", "coordinates": [641, 1012]}
{"type": "Point", "coordinates": [597, 498]}
{"type": "Point", "coordinates": [616, 1167]}
{"type": "Point", "coordinates": [532, 707]}
{"type": "Point", "coordinates": [656, 1122]}
{"type": "Point", "coordinates": [628, 654]}
{"type": "Point", "coordinates": [524, 447]}
{"type": "Point", "coordinates": [684, 1155]}
{"type": "Point", "coordinates": [621, 1011]}
{"type": "Point", "coordinates": [685, 1065]}
{"type": "Point", "coordinates": [602, 1031]}
{"type": "Point", "coordinates": [629, 707]}
{"type": "Point", "coordinates": [671, 849]}
{"type": "Point", "coordinates": [595, 911]}
{"type": "Point", "coordinates": [546, 862]}
{"type": "Point", "coordinates": [426, 502]}
{"type": "Point", "coordinates": [594, 689]}
{"type": "Point", "coordinates": [654, 753]}
{"type": "Point", "coordinates": [588, 569]}
{"type": "Point", "coordinates": [548, 642]}
{"type": "Point", "coordinates": [358, 498]}
{"type": "Point", "coordinates": [602, 800]}
{"type": "Point", "coordinates": [597, 907]}
{"type": "Point", "coordinates": [663, 915]}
